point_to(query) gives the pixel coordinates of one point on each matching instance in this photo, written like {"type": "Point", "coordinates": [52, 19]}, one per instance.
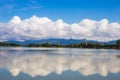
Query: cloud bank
{"type": "Point", "coordinates": [36, 64]}
{"type": "Point", "coordinates": [36, 28]}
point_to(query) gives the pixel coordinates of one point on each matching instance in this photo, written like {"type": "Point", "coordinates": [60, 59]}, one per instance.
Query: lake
{"type": "Point", "coordinates": [22, 63]}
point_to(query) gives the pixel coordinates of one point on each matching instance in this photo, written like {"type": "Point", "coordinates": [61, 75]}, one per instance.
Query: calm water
{"type": "Point", "coordinates": [59, 64]}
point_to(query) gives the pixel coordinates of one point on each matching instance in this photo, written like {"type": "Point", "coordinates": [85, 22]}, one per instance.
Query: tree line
{"type": "Point", "coordinates": [9, 44]}
{"type": "Point", "coordinates": [97, 45]}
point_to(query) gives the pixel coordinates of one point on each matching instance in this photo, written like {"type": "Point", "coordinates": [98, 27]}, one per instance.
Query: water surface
{"type": "Point", "coordinates": [59, 64]}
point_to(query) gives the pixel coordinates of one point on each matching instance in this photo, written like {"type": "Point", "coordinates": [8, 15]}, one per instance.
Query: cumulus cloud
{"type": "Point", "coordinates": [34, 63]}
{"type": "Point", "coordinates": [36, 28]}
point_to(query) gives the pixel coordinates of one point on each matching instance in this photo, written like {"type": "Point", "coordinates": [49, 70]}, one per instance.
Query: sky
{"type": "Point", "coordinates": [68, 10]}
{"type": "Point", "coordinates": [78, 19]}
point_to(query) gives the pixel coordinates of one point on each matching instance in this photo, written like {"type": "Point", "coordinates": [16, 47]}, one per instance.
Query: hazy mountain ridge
{"type": "Point", "coordinates": [59, 40]}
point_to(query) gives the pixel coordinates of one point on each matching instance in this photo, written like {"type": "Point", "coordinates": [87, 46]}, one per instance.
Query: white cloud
{"type": "Point", "coordinates": [39, 28]}
{"type": "Point", "coordinates": [42, 64]}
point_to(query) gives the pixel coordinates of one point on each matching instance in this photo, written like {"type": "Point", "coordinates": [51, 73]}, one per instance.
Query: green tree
{"type": "Point", "coordinates": [118, 43]}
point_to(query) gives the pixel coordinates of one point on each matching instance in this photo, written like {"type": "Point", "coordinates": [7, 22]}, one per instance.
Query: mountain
{"type": "Point", "coordinates": [60, 41]}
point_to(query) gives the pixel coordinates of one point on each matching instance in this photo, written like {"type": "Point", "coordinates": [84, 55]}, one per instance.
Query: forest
{"type": "Point", "coordinates": [57, 45]}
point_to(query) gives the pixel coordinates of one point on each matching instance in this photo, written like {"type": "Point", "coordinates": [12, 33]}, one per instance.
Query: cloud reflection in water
{"type": "Point", "coordinates": [43, 64]}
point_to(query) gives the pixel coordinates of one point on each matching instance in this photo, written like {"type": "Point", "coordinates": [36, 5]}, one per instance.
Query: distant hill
{"type": "Point", "coordinates": [60, 41]}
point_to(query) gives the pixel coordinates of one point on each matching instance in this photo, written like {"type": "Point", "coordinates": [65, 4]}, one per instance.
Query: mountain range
{"type": "Point", "coordinates": [60, 41]}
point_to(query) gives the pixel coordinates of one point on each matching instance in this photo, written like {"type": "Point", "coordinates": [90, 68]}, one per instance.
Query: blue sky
{"type": "Point", "coordinates": [68, 10]}
{"type": "Point", "coordinates": [78, 19]}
